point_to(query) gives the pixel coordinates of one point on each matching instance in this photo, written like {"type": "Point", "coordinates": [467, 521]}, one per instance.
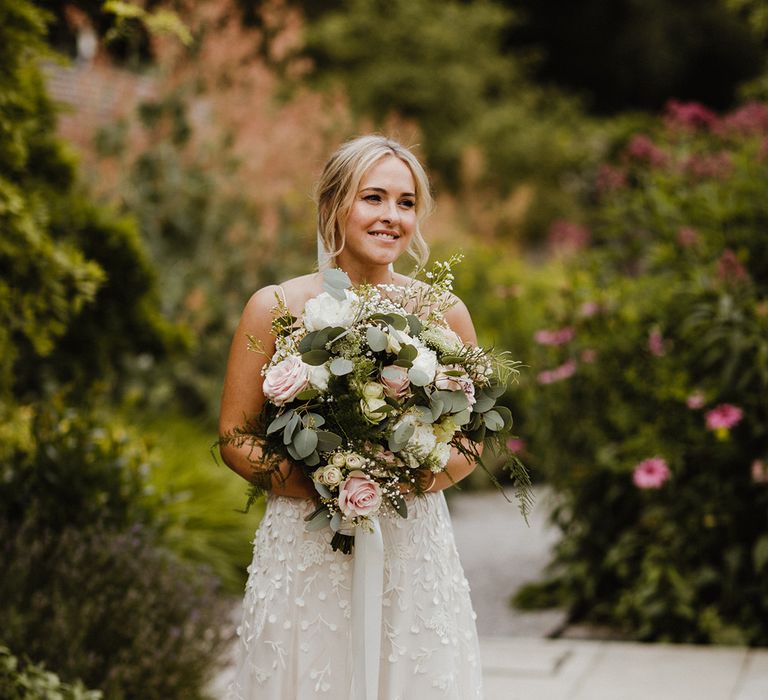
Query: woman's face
{"type": "Point", "coordinates": [382, 219]}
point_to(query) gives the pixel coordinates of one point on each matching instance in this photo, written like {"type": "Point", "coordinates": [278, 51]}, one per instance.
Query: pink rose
{"type": "Point", "coordinates": [395, 381]}
{"type": "Point", "coordinates": [516, 445]}
{"type": "Point", "coordinates": [285, 379]}
{"type": "Point", "coordinates": [447, 382]}
{"type": "Point", "coordinates": [696, 400]}
{"type": "Point", "coordinates": [650, 473]}
{"type": "Point", "coordinates": [359, 495]}
{"type": "Point", "coordinates": [560, 336]}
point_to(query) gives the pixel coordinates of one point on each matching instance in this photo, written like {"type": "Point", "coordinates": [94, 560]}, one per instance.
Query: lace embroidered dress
{"type": "Point", "coordinates": [294, 638]}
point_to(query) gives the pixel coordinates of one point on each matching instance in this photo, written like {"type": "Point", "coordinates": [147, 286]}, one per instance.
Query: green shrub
{"type": "Point", "coordinates": [23, 680]}
{"type": "Point", "coordinates": [110, 608]}
{"type": "Point", "coordinates": [647, 400]}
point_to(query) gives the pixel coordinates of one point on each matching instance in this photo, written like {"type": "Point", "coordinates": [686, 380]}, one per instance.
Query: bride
{"type": "Point", "coordinates": [295, 637]}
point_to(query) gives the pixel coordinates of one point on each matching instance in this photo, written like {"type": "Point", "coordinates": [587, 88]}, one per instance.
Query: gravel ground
{"type": "Point", "coordinates": [499, 553]}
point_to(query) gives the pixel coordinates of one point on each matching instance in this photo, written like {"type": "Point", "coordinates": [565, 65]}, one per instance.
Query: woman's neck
{"type": "Point", "coordinates": [367, 274]}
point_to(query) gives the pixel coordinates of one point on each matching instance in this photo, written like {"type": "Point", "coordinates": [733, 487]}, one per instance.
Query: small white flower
{"type": "Point", "coordinates": [440, 455]}
{"type": "Point", "coordinates": [426, 361]}
{"type": "Point", "coordinates": [319, 376]}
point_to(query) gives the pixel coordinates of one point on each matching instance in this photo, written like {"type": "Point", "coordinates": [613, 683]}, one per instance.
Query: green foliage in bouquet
{"type": "Point", "coordinates": [649, 409]}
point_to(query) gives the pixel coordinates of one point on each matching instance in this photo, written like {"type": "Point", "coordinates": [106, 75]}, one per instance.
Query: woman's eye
{"type": "Point", "coordinates": [408, 203]}
{"type": "Point", "coordinates": [372, 198]}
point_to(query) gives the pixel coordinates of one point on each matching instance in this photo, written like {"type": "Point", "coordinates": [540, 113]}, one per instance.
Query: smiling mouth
{"type": "Point", "coordinates": [385, 235]}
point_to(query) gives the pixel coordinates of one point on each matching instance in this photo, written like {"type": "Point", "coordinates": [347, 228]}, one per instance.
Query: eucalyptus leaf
{"type": "Point", "coordinates": [327, 441]}
{"type": "Point", "coordinates": [336, 279]}
{"type": "Point", "coordinates": [484, 403]}
{"type": "Point", "coordinates": [305, 442]}
{"type": "Point", "coordinates": [290, 429]}
{"type": "Point", "coordinates": [323, 490]}
{"type": "Point", "coordinates": [318, 521]}
{"type": "Point", "coordinates": [292, 452]}
{"type": "Point", "coordinates": [307, 394]}
{"type": "Point", "coordinates": [341, 366]}
{"type": "Point", "coordinates": [405, 364]}
{"type": "Point", "coordinates": [306, 342]}
{"type": "Point", "coordinates": [377, 339]}
{"type": "Point", "coordinates": [495, 390]}
{"type": "Point", "coordinates": [462, 417]}
{"type": "Point", "coordinates": [437, 406]}
{"type": "Point", "coordinates": [414, 324]}
{"type": "Point", "coordinates": [493, 420]}
{"type": "Point", "coordinates": [459, 401]}
{"type": "Point", "coordinates": [407, 352]}
{"type": "Point", "coordinates": [313, 420]}
{"type": "Point", "coordinates": [315, 357]}
{"type": "Point", "coordinates": [423, 414]}
{"type": "Point", "coordinates": [280, 422]}
{"type": "Point", "coordinates": [319, 341]}
{"type": "Point", "coordinates": [336, 522]}
{"type": "Point", "coordinates": [312, 460]}
{"type": "Point", "coordinates": [506, 416]}
{"type": "Point", "coordinates": [403, 433]}
{"type": "Point", "coordinates": [397, 321]}
{"type": "Point", "coordinates": [418, 376]}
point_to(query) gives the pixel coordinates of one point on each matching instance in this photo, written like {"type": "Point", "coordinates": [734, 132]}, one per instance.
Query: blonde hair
{"type": "Point", "coordinates": [341, 179]}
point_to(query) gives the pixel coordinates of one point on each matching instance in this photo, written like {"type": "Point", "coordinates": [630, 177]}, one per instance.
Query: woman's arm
{"type": "Point", "coordinates": [458, 466]}
{"type": "Point", "coordinates": [243, 398]}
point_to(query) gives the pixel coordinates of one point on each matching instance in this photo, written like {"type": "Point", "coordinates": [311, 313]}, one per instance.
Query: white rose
{"type": "Point", "coordinates": [370, 408]}
{"type": "Point", "coordinates": [396, 339]}
{"type": "Point", "coordinates": [373, 390]}
{"type": "Point", "coordinates": [440, 454]}
{"type": "Point", "coordinates": [331, 476]}
{"type": "Point", "coordinates": [423, 440]}
{"type": "Point", "coordinates": [353, 460]}
{"type": "Point", "coordinates": [323, 311]}
{"type": "Point", "coordinates": [338, 460]}
{"type": "Point", "coordinates": [426, 362]}
{"type": "Point", "coordinates": [319, 376]}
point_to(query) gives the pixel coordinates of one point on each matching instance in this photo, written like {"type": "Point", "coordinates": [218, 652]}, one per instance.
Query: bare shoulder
{"type": "Point", "coordinates": [293, 292]}
{"type": "Point", "coordinates": [460, 320]}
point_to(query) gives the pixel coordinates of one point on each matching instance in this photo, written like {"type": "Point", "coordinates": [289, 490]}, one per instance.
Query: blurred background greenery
{"type": "Point", "coordinates": [603, 166]}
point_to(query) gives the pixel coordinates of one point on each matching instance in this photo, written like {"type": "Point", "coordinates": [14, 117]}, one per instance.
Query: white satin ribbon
{"type": "Point", "coordinates": [367, 591]}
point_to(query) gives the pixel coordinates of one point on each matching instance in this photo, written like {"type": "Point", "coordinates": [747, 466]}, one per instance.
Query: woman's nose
{"type": "Point", "coordinates": [391, 212]}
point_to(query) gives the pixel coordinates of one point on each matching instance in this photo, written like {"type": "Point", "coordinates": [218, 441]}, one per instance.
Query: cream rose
{"type": "Point", "coordinates": [359, 495]}
{"type": "Point", "coordinates": [323, 311]}
{"type": "Point", "coordinates": [353, 460]}
{"type": "Point", "coordinates": [330, 475]}
{"type": "Point", "coordinates": [285, 379]}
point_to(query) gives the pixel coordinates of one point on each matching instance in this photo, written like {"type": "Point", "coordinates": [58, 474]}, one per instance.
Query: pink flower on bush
{"type": "Point", "coordinates": [395, 381]}
{"type": "Point", "coordinates": [703, 166]}
{"type": "Point", "coordinates": [696, 400]}
{"type": "Point", "coordinates": [656, 343]}
{"type": "Point", "coordinates": [359, 495]}
{"type": "Point", "coordinates": [643, 150]}
{"type": "Point", "coordinates": [588, 355]}
{"type": "Point", "coordinates": [650, 473]}
{"type": "Point", "coordinates": [759, 472]}
{"type": "Point", "coordinates": [589, 309]}
{"type": "Point", "coordinates": [567, 237]}
{"type": "Point", "coordinates": [730, 269]}
{"type": "Point", "coordinates": [610, 179]}
{"type": "Point", "coordinates": [689, 116]}
{"type": "Point", "coordinates": [560, 336]}
{"type": "Point", "coordinates": [687, 236]}
{"type": "Point", "coordinates": [557, 374]}
{"type": "Point", "coordinates": [285, 379]}
{"type": "Point", "coordinates": [516, 445]}
{"type": "Point", "coordinates": [751, 119]}
{"type": "Point", "coordinates": [723, 417]}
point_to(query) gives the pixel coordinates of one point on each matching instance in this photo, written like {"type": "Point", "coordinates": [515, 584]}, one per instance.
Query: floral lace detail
{"type": "Point", "coordinates": [295, 630]}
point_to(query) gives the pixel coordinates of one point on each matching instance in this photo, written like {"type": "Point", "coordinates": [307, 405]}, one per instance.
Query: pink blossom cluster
{"type": "Point", "coordinates": [650, 473]}
{"type": "Point", "coordinates": [589, 309]}
{"type": "Point", "coordinates": [564, 371]}
{"type": "Point", "coordinates": [759, 472]}
{"type": "Point", "coordinates": [561, 336]}
{"type": "Point", "coordinates": [610, 178]}
{"type": "Point", "coordinates": [516, 445]}
{"type": "Point", "coordinates": [656, 343]}
{"type": "Point", "coordinates": [751, 119]}
{"type": "Point", "coordinates": [687, 236]}
{"type": "Point", "coordinates": [730, 269]}
{"type": "Point", "coordinates": [723, 417]}
{"type": "Point", "coordinates": [696, 400]}
{"type": "Point", "coordinates": [703, 166]}
{"type": "Point", "coordinates": [567, 237]}
{"type": "Point", "coordinates": [641, 148]}
{"type": "Point", "coordinates": [689, 116]}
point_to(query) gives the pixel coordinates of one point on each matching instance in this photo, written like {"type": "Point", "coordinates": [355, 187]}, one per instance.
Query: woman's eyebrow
{"type": "Point", "coordinates": [383, 191]}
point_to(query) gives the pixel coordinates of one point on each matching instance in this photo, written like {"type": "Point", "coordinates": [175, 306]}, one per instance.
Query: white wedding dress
{"type": "Point", "coordinates": [295, 634]}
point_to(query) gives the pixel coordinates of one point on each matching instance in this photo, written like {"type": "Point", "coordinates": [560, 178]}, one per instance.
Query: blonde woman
{"type": "Point", "coordinates": [295, 638]}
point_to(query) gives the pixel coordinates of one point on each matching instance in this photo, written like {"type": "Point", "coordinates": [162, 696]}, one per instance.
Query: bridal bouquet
{"type": "Point", "coordinates": [369, 391]}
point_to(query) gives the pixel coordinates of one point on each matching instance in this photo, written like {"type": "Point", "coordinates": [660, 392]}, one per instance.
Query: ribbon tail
{"type": "Point", "coordinates": [367, 591]}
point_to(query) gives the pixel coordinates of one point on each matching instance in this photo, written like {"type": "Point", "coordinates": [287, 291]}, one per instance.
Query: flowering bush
{"type": "Point", "coordinates": [651, 370]}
